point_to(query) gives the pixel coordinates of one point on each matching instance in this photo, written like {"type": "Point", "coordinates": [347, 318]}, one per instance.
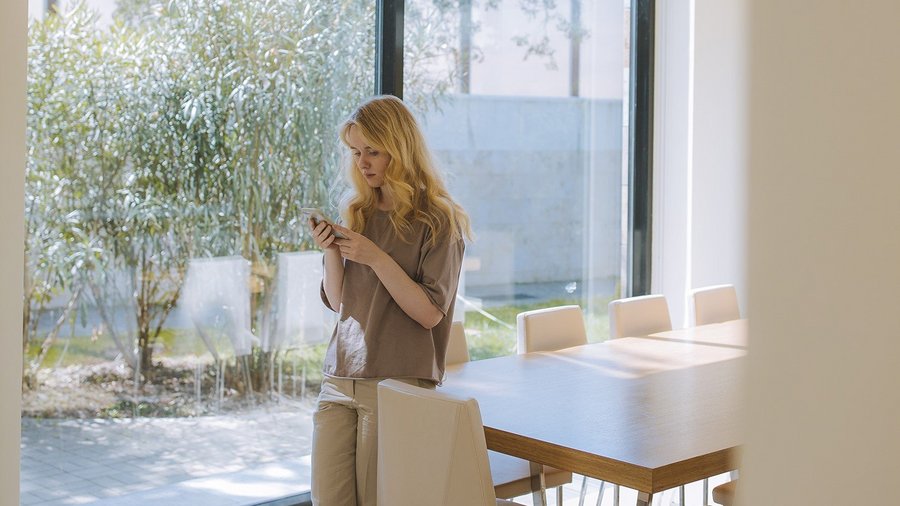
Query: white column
{"type": "Point", "coordinates": [824, 253]}
{"type": "Point", "coordinates": [718, 175]}
{"type": "Point", "coordinates": [699, 171]}
{"type": "Point", "coordinates": [13, 23]}
{"type": "Point", "coordinates": [671, 157]}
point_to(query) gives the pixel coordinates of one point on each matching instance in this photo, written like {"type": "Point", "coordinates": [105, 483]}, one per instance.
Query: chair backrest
{"type": "Point", "coordinates": [431, 448]}
{"type": "Point", "coordinates": [457, 348]}
{"type": "Point", "coordinates": [639, 316]}
{"type": "Point", "coordinates": [549, 329]}
{"type": "Point", "coordinates": [715, 304]}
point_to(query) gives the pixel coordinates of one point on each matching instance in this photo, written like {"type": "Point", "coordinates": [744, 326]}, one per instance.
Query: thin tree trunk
{"type": "Point", "coordinates": [465, 46]}
{"type": "Point", "coordinates": [51, 336]}
{"type": "Point", "coordinates": [575, 50]}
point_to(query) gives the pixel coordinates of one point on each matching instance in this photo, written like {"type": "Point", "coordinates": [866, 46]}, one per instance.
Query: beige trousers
{"type": "Point", "coordinates": [345, 442]}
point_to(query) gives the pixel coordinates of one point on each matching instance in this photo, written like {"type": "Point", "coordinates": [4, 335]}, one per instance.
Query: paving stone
{"type": "Point", "coordinates": [29, 498]}
{"type": "Point", "coordinates": [89, 459]}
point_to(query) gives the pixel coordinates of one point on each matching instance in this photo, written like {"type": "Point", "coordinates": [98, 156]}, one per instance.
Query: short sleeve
{"type": "Point", "coordinates": [439, 271]}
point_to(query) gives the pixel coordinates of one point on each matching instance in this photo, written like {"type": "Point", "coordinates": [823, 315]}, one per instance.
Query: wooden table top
{"type": "Point", "coordinates": [732, 333]}
{"type": "Point", "coordinates": [646, 414]}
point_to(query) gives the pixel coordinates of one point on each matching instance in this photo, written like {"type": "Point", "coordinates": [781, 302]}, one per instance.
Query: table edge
{"type": "Point", "coordinates": [643, 479]}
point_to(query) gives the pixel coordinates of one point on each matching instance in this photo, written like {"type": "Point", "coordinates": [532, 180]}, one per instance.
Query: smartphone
{"type": "Point", "coordinates": [317, 215]}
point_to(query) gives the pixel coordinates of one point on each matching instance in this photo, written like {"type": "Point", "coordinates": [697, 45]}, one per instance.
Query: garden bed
{"type": "Point", "coordinates": [107, 390]}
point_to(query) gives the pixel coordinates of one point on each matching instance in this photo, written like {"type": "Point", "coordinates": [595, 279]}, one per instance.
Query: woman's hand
{"type": "Point", "coordinates": [357, 247]}
{"type": "Point", "coordinates": [406, 292]}
{"type": "Point", "coordinates": [323, 235]}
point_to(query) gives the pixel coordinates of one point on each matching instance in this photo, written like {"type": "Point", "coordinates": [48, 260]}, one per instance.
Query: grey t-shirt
{"type": "Point", "coordinates": [374, 338]}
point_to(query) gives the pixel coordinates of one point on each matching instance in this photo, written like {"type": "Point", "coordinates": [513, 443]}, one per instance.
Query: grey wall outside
{"type": "Point", "coordinates": [524, 169]}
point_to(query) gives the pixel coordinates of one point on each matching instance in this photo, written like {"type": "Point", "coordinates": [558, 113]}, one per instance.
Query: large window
{"type": "Point", "coordinates": [173, 328]}
{"type": "Point", "coordinates": [169, 273]}
{"type": "Point", "coordinates": [531, 129]}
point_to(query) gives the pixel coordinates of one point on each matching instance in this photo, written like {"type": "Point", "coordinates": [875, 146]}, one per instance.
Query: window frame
{"type": "Point", "coordinates": [640, 148]}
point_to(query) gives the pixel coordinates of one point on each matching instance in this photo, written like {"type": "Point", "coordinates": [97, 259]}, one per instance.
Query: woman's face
{"type": "Point", "coordinates": [370, 162]}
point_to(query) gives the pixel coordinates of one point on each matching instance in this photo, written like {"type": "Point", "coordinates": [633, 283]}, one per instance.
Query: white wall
{"type": "Point", "coordinates": [718, 204]}
{"type": "Point", "coordinates": [671, 158]}
{"type": "Point", "coordinates": [699, 172]}
{"type": "Point", "coordinates": [824, 253]}
{"type": "Point", "coordinates": [13, 19]}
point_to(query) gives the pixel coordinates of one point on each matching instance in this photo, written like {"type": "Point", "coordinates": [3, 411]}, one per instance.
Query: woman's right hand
{"type": "Point", "coordinates": [323, 234]}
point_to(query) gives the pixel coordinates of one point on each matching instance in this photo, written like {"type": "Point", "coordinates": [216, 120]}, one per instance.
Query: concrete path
{"type": "Point", "coordinates": [68, 462]}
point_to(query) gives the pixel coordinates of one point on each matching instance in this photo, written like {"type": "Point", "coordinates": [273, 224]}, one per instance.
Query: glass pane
{"type": "Point", "coordinates": [170, 279]}
{"type": "Point", "coordinates": [523, 103]}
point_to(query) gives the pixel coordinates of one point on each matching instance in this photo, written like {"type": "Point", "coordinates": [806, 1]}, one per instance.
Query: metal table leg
{"type": "Point", "coordinates": [538, 485]}
{"type": "Point", "coordinates": [644, 499]}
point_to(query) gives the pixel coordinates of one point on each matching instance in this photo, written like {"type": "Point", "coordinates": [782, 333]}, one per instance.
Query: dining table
{"type": "Point", "coordinates": [734, 333]}
{"type": "Point", "coordinates": [647, 413]}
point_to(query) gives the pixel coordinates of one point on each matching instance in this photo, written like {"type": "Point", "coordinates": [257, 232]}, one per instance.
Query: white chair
{"type": "Point", "coordinates": [457, 348]}
{"type": "Point", "coordinates": [511, 475]}
{"type": "Point", "coordinates": [550, 329]}
{"type": "Point", "coordinates": [431, 449]}
{"type": "Point", "coordinates": [638, 316]}
{"type": "Point", "coordinates": [715, 304]}
{"type": "Point", "coordinates": [724, 494]}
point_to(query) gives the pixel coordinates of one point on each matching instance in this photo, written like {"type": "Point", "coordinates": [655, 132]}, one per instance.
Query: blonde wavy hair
{"type": "Point", "coordinates": [411, 179]}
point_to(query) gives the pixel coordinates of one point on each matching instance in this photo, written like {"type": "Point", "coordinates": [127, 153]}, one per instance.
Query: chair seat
{"type": "Point", "coordinates": [512, 475]}
{"type": "Point", "coordinates": [724, 493]}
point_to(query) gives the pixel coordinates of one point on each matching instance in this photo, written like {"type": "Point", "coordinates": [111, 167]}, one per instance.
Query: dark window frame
{"type": "Point", "coordinates": [640, 148]}
{"type": "Point", "coordinates": [389, 18]}
{"type": "Point", "coordinates": [389, 81]}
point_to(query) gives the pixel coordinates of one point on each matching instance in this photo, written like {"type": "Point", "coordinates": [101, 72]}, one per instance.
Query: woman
{"type": "Point", "coordinates": [393, 280]}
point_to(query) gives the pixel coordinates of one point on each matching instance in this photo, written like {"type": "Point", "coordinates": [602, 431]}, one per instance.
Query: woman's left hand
{"type": "Point", "coordinates": [357, 247]}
